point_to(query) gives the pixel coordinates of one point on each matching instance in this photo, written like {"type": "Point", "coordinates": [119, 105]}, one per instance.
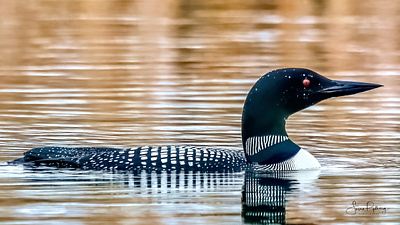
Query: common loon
{"type": "Point", "coordinates": [273, 98]}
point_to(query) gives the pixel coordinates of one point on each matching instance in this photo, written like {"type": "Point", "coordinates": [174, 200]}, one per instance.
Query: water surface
{"type": "Point", "coordinates": [133, 73]}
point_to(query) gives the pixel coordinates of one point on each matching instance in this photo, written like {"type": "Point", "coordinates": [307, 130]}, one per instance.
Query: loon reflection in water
{"type": "Point", "coordinates": [264, 194]}
{"type": "Point", "coordinates": [273, 98]}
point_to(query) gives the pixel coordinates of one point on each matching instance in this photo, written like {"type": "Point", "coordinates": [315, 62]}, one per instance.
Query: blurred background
{"type": "Point", "coordinates": [147, 72]}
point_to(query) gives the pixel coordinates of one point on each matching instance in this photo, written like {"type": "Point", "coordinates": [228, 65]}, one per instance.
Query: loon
{"type": "Point", "coordinates": [273, 98]}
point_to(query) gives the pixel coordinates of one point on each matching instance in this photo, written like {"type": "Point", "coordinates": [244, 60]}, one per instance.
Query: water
{"type": "Point", "coordinates": [133, 73]}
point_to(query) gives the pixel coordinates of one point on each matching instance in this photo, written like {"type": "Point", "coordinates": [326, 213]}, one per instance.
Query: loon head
{"type": "Point", "coordinates": [273, 98]}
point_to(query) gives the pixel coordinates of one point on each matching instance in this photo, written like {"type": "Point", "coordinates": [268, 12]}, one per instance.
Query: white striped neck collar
{"type": "Point", "coordinates": [256, 144]}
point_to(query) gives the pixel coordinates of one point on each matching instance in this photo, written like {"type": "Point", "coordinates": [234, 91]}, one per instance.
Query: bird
{"type": "Point", "coordinates": [266, 144]}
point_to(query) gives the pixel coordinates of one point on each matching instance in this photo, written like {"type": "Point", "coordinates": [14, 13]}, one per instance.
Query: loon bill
{"type": "Point", "coordinates": [273, 98]}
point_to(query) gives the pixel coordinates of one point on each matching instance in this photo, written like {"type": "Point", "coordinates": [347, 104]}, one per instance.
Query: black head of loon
{"type": "Point", "coordinates": [273, 98]}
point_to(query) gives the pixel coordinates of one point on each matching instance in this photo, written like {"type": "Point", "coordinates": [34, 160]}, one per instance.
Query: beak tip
{"type": "Point", "coordinates": [373, 86]}
{"type": "Point", "coordinates": [341, 88]}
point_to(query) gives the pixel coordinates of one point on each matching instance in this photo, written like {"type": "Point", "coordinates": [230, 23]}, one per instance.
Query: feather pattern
{"type": "Point", "coordinates": [165, 158]}
{"type": "Point", "coordinates": [258, 143]}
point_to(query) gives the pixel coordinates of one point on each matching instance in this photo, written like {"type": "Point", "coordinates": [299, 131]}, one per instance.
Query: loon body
{"type": "Point", "coordinates": [273, 98]}
{"type": "Point", "coordinates": [165, 158]}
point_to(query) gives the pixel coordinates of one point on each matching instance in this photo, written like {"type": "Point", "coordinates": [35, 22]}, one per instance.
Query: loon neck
{"type": "Point", "coordinates": [257, 144]}
{"type": "Point", "coordinates": [262, 125]}
{"type": "Point", "coordinates": [264, 136]}
{"type": "Point", "coordinates": [269, 149]}
{"type": "Point", "coordinates": [262, 113]}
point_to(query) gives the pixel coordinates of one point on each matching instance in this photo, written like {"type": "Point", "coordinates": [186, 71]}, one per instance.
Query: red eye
{"type": "Point", "coordinates": [306, 82]}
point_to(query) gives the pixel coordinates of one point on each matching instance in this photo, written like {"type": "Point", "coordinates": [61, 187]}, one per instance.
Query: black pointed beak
{"type": "Point", "coordinates": [341, 88]}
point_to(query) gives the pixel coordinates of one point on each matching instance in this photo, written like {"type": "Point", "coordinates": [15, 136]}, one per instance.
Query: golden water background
{"type": "Point", "coordinates": [133, 73]}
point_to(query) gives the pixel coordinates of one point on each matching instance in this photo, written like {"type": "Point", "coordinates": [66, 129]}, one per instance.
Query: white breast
{"type": "Point", "coordinates": [303, 160]}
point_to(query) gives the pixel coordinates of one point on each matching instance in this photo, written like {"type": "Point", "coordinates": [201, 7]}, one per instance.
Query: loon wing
{"type": "Point", "coordinates": [165, 158]}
